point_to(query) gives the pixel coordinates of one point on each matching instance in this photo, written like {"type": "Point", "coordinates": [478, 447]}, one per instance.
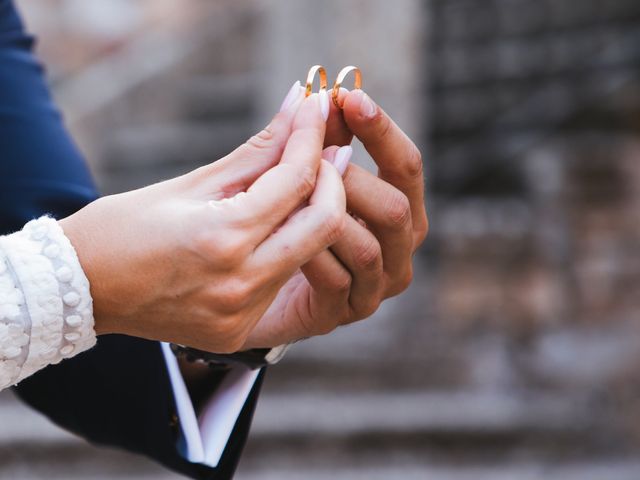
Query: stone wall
{"type": "Point", "coordinates": [534, 195]}
{"type": "Point", "coordinates": [534, 165]}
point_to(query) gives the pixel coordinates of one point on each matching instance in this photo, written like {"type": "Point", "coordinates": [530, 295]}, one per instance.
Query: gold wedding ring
{"type": "Point", "coordinates": [320, 70]}
{"type": "Point", "coordinates": [357, 84]}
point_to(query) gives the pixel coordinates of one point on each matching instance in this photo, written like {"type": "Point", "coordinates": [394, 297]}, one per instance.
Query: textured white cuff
{"type": "Point", "coordinates": [46, 311]}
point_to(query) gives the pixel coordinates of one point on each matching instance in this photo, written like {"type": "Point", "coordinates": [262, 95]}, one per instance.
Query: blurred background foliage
{"type": "Point", "coordinates": [515, 353]}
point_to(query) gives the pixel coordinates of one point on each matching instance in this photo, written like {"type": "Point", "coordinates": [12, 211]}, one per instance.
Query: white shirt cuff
{"type": "Point", "coordinates": [204, 438]}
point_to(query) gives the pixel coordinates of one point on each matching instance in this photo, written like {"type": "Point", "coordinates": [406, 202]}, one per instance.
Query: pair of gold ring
{"type": "Point", "coordinates": [322, 72]}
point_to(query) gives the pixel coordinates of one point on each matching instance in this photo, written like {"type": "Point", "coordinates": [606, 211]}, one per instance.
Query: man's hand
{"type": "Point", "coordinates": [373, 259]}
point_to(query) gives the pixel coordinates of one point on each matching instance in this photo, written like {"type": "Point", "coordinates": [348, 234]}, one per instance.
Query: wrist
{"type": "Point", "coordinates": [80, 239]}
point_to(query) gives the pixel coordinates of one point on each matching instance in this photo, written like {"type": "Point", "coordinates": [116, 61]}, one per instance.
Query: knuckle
{"type": "Point", "coordinates": [423, 232]}
{"type": "Point", "coordinates": [372, 308]}
{"type": "Point", "coordinates": [398, 210]}
{"type": "Point", "coordinates": [313, 328]}
{"type": "Point", "coordinates": [333, 225]}
{"type": "Point", "coordinates": [228, 250]}
{"type": "Point", "coordinates": [324, 328]}
{"type": "Point", "coordinates": [262, 140]}
{"type": "Point", "coordinates": [367, 309]}
{"type": "Point", "coordinates": [234, 296]}
{"type": "Point", "coordinates": [300, 179]}
{"type": "Point", "coordinates": [327, 329]}
{"type": "Point", "coordinates": [368, 254]}
{"type": "Point", "coordinates": [305, 178]}
{"type": "Point", "coordinates": [342, 283]}
{"type": "Point", "coordinates": [203, 243]}
{"type": "Point", "coordinates": [402, 283]}
{"type": "Point", "coordinates": [385, 128]}
{"type": "Point", "coordinates": [405, 282]}
{"type": "Point", "coordinates": [413, 163]}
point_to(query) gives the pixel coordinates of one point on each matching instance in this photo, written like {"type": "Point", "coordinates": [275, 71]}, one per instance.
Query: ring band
{"type": "Point", "coordinates": [357, 84]}
{"type": "Point", "coordinates": [316, 69]}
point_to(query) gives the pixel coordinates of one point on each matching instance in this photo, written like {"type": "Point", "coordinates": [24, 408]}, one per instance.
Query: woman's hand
{"type": "Point", "coordinates": [373, 259]}
{"type": "Point", "coordinates": [197, 260]}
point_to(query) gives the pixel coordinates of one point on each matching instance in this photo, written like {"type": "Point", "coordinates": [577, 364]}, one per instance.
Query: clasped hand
{"type": "Point", "coordinates": [257, 249]}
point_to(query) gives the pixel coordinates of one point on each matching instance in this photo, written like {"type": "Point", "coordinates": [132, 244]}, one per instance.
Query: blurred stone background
{"type": "Point", "coordinates": [516, 353]}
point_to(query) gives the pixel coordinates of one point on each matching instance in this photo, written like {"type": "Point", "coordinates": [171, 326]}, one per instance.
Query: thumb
{"type": "Point", "coordinates": [262, 151]}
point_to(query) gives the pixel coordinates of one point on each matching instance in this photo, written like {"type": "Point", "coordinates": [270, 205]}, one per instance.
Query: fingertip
{"type": "Point", "coordinates": [359, 107]}
{"type": "Point", "coordinates": [329, 153]}
{"type": "Point", "coordinates": [311, 113]}
{"type": "Point", "coordinates": [330, 180]}
{"type": "Point", "coordinates": [342, 157]}
{"type": "Point", "coordinates": [352, 102]}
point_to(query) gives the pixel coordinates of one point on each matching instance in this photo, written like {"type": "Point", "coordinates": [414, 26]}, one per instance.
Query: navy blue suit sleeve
{"type": "Point", "coordinates": [37, 156]}
{"type": "Point", "coordinates": [119, 392]}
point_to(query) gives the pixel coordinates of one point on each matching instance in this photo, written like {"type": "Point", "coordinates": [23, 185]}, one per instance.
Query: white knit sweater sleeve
{"type": "Point", "coordinates": [46, 312]}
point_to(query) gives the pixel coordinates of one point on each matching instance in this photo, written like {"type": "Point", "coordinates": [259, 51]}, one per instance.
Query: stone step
{"type": "Point", "coordinates": [460, 413]}
{"type": "Point", "coordinates": [373, 435]}
{"type": "Point", "coordinates": [612, 470]}
{"type": "Point", "coordinates": [293, 415]}
{"type": "Point", "coordinates": [35, 462]}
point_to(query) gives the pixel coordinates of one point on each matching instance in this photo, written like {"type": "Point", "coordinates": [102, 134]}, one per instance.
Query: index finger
{"type": "Point", "coordinates": [399, 160]}
{"type": "Point", "coordinates": [283, 188]}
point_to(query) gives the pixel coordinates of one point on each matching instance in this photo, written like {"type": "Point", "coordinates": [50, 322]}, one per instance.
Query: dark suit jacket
{"type": "Point", "coordinates": [119, 392]}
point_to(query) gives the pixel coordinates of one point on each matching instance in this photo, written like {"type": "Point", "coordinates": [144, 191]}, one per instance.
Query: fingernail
{"type": "Point", "coordinates": [342, 96]}
{"type": "Point", "coordinates": [294, 94]}
{"type": "Point", "coordinates": [324, 103]}
{"type": "Point", "coordinates": [368, 109]}
{"type": "Point", "coordinates": [341, 160]}
{"type": "Point", "coordinates": [329, 153]}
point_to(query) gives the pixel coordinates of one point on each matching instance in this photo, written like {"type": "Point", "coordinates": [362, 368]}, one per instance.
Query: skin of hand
{"type": "Point", "coordinates": [372, 260]}
{"type": "Point", "coordinates": [198, 260]}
